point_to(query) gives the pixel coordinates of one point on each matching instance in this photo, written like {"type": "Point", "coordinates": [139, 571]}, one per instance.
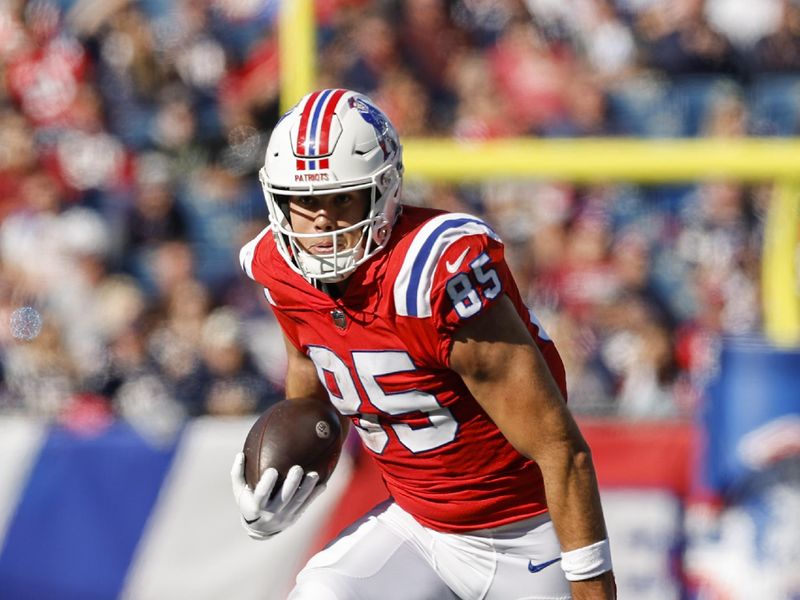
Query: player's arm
{"type": "Point", "coordinates": [302, 380]}
{"type": "Point", "coordinates": [503, 368]}
{"type": "Point", "coordinates": [301, 375]}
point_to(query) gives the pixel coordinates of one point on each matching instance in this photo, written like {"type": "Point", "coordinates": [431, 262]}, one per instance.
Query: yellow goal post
{"type": "Point", "coordinates": [645, 161]}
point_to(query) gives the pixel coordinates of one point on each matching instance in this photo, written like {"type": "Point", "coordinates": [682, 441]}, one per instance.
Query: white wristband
{"type": "Point", "coordinates": [587, 562]}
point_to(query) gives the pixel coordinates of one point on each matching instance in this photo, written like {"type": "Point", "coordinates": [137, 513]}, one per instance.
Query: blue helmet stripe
{"type": "Point", "coordinates": [315, 122]}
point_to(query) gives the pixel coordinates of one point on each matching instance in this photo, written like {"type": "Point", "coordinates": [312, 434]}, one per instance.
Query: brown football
{"type": "Point", "coordinates": [300, 431]}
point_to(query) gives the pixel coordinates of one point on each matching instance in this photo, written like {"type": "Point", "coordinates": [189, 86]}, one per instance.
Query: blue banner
{"type": "Point", "coordinates": [81, 515]}
{"type": "Point", "coordinates": [752, 414]}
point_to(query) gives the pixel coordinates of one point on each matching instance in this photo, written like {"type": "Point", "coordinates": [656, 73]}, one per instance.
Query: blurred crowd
{"type": "Point", "coordinates": [131, 133]}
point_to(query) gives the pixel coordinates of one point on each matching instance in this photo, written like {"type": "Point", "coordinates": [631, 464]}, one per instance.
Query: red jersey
{"type": "Point", "coordinates": [383, 353]}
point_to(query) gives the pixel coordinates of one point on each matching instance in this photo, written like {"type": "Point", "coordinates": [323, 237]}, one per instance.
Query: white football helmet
{"type": "Point", "coordinates": [333, 141]}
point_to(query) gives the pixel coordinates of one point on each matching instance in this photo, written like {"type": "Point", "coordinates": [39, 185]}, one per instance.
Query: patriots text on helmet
{"type": "Point", "coordinates": [314, 177]}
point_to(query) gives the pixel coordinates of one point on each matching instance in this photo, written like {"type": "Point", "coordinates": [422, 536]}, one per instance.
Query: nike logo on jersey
{"type": "Point", "coordinates": [251, 521]}
{"type": "Point", "coordinates": [536, 568]}
{"type": "Point", "coordinates": [452, 267]}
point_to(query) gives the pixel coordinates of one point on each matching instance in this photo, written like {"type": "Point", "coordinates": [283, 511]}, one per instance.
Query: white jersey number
{"type": "Point", "coordinates": [463, 293]}
{"type": "Point", "coordinates": [369, 366]}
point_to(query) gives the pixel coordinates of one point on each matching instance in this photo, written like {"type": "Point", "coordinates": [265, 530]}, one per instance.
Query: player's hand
{"type": "Point", "coordinates": [263, 517]}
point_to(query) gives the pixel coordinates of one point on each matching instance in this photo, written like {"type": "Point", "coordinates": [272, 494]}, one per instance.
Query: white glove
{"type": "Point", "coordinates": [261, 517]}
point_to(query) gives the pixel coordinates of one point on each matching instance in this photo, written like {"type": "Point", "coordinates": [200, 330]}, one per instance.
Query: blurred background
{"type": "Point", "coordinates": [134, 355]}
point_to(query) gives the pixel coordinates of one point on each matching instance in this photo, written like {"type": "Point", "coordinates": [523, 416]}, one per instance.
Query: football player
{"type": "Point", "coordinates": [409, 321]}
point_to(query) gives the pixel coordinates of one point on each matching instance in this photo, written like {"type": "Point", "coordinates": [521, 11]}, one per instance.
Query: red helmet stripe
{"type": "Point", "coordinates": [316, 122]}
{"type": "Point", "coordinates": [326, 121]}
{"type": "Point", "coordinates": [301, 132]}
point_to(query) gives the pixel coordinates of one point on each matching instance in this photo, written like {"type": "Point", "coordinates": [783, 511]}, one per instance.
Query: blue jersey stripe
{"type": "Point", "coordinates": [422, 258]}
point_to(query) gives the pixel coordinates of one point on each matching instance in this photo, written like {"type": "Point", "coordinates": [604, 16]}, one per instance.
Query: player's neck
{"type": "Point", "coordinates": [334, 290]}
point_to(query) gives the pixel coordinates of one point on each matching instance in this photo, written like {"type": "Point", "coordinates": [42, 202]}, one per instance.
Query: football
{"type": "Point", "coordinates": [300, 431]}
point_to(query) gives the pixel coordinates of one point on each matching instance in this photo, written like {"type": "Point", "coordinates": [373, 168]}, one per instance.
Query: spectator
{"type": "Point", "coordinates": [152, 219]}
{"type": "Point", "coordinates": [679, 40]}
{"type": "Point", "coordinates": [591, 388]}
{"type": "Point", "coordinates": [171, 265]}
{"type": "Point", "coordinates": [533, 76]}
{"type": "Point", "coordinates": [18, 160]}
{"type": "Point", "coordinates": [45, 73]}
{"type": "Point", "coordinates": [155, 217]}
{"type": "Point", "coordinates": [39, 376]}
{"type": "Point", "coordinates": [779, 52]}
{"type": "Point", "coordinates": [126, 322]}
{"type": "Point", "coordinates": [428, 41]}
{"type": "Point", "coordinates": [607, 43]}
{"type": "Point", "coordinates": [481, 112]}
{"type": "Point", "coordinates": [374, 53]}
{"type": "Point", "coordinates": [129, 74]}
{"type": "Point", "coordinates": [228, 382]}
{"type": "Point", "coordinates": [641, 356]}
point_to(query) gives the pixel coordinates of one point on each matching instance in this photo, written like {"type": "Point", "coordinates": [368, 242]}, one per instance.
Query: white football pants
{"type": "Point", "coordinates": [387, 555]}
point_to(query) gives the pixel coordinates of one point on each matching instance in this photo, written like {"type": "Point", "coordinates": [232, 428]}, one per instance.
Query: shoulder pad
{"type": "Point", "coordinates": [248, 253]}
{"type": "Point", "coordinates": [412, 288]}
